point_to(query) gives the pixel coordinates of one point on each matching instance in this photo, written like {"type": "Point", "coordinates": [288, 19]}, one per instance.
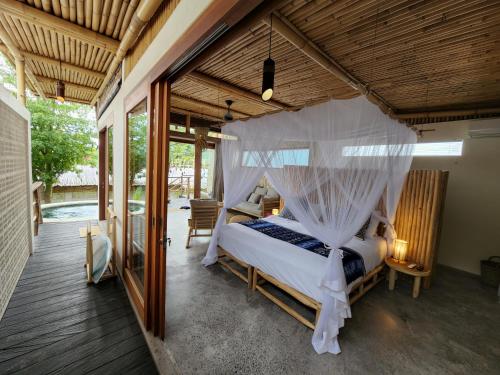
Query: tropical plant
{"type": "Point", "coordinates": [63, 136]}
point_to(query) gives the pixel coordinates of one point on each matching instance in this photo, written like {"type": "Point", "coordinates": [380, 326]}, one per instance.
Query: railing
{"type": "Point", "coordinates": [181, 184]}
{"type": "Point", "coordinates": [36, 189]}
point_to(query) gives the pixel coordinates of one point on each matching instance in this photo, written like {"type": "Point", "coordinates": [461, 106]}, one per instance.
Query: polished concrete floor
{"type": "Point", "coordinates": [216, 326]}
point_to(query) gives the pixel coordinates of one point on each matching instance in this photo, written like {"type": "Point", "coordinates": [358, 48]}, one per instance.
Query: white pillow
{"type": "Point", "coordinates": [260, 190]}
{"type": "Point", "coordinates": [254, 198]}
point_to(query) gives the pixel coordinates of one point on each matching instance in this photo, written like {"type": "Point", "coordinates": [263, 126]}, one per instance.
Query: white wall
{"type": "Point", "coordinates": [471, 226]}
{"type": "Point", "coordinates": [181, 19]}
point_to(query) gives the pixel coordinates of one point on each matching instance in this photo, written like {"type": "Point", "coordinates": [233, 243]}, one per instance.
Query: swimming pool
{"type": "Point", "coordinates": [72, 211]}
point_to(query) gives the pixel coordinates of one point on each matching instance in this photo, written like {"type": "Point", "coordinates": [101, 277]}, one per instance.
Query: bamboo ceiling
{"type": "Point", "coordinates": [417, 57]}
{"type": "Point", "coordinates": [71, 40]}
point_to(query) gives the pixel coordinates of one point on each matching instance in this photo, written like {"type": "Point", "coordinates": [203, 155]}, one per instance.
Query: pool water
{"type": "Point", "coordinates": [78, 211]}
{"type": "Point", "coordinates": [74, 211]}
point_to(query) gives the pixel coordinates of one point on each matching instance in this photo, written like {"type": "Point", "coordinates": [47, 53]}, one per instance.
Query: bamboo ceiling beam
{"type": "Point", "coordinates": [219, 84]}
{"type": "Point", "coordinates": [305, 45]}
{"type": "Point", "coordinates": [70, 99]}
{"type": "Point", "coordinates": [56, 24]}
{"type": "Point", "coordinates": [16, 53]}
{"type": "Point", "coordinates": [209, 106]}
{"type": "Point", "coordinates": [52, 81]}
{"type": "Point", "coordinates": [187, 112]}
{"type": "Point", "coordinates": [66, 66]}
{"type": "Point", "coordinates": [142, 15]}
{"type": "Point", "coordinates": [446, 113]}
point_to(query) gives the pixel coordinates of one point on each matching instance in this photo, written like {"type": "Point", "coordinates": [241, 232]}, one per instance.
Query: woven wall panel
{"type": "Point", "coordinates": [418, 219]}
{"type": "Point", "coordinates": [15, 232]}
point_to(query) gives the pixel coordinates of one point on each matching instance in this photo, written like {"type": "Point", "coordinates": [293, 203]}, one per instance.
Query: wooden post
{"type": "Point", "coordinates": [21, 81]}
{"type": "Point", "coordinates": [188, 124]}
{"type": "Point", "coordinates": [197, 170]}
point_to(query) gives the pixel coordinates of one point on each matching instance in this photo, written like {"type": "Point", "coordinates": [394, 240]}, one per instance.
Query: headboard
{"type": "Point", "coordinates": [419, 215]}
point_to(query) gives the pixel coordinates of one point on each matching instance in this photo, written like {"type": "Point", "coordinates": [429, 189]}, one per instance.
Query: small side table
{"type": "Point", "coordinates": [395, 266]}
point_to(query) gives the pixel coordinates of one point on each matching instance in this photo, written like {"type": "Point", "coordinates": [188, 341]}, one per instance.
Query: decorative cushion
{"type": "Point", "coordinates": [362, 231]}
{"type": "Point", "coordinates": [254, 198]}
{"type": "Point", "coordinates": [260, 190]}
{"type": "Point", "coordinates": [287, 214]}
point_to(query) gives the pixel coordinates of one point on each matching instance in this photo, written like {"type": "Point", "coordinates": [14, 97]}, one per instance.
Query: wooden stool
{"type": "Point", "coordinates": [395, 266]}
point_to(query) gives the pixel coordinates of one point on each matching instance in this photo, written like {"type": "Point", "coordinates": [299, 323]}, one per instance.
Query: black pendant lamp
{"type": "Point", "coordinates": [228, 116]}
{"type": "Point", "coordinates": [268, 71]}
{"type": "Point", "coordinates": [60, 89]}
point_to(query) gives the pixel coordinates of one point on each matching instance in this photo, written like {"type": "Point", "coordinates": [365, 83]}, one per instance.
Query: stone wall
{"type": "Point", "coordinates": [15, 195]}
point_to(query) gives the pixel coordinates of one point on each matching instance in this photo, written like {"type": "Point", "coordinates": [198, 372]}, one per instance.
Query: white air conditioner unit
{"type": "Point", "coordinates": [484, 133]}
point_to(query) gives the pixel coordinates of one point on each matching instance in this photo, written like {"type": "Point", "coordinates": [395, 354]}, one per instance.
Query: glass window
{"type": "Point", "coordinates": [110, 166]}
{"type": "Point", "coordinates": [137, 122]}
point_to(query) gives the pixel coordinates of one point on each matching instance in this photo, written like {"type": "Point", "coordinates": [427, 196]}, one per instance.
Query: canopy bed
{"type": "Point", "coordinates": [331, 163]}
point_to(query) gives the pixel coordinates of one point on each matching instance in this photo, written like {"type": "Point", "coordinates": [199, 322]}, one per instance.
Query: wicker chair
{"type": "Point", "coordinates": [204, 214]}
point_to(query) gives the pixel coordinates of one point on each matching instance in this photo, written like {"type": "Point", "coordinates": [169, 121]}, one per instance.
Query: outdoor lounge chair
{"type": "Point", "coordinates": [204, 214]}
{"type": "Point", "coordinates": [101, 251]}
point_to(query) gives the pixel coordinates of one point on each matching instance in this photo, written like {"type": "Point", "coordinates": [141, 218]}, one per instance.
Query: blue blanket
{"type": "Point", "coordinates": [354, 266]}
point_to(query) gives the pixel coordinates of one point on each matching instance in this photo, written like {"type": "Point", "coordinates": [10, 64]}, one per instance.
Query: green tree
{"type": "Point", "coordinates": [63, 136]}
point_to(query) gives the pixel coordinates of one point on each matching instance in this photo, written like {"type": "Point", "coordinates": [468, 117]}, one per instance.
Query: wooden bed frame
{"type": "Point", "coordinates": [255, 278]}
{"type": "Point", "coordinates": [420, 206]}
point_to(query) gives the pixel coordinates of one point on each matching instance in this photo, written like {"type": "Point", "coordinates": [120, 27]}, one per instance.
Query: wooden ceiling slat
{"type": "Point", "coordinates": [65, 9]}
{"type": "Point", "coordinates": [96, 14]}
{"type": "Point", "coordinates": [80, 12]}
{"type": "Point", "coordinates": [106, 8]}
{"type": "Point", "coordinates": [121, 16]}
{"type": "Point", "coordinates": [72, 10]}
{"type": "Point", "coordinates": [128, 17]}
{"type": "Point", "coordinates": [113, 16]}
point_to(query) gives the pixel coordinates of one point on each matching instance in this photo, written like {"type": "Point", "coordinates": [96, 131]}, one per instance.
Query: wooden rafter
{"type": "Point", "coordinates": [52, 81]}
{"type": "Point", "coordinates": [288, 31]}
{"type": "Point", "coordinates": [66, 66]}
{"type": "Point", "coordinates": [209, 106]}
{"type": "Point", "coordinates": [58, 25]}
{"type": "Point", "coordinates": [434, 114]}
{"type": "Point", "coordinates": [219, 84]}
{"type": "Point", "coordinates": [186, 112]}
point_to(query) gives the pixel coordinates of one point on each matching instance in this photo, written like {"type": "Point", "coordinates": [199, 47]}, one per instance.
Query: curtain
{"type": "Point", "coordinates": [218, 188]}
{"type": "Point", "coordinates": [331, 163]}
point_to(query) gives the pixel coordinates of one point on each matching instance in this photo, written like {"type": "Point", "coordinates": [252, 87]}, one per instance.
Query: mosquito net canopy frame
{"type": "Point", "coordinates": [331, 163]}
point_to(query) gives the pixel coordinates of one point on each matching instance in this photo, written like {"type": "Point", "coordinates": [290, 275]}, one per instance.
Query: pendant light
{"type": "Point", "coordinates": [268, 71]}
{"type": "Point", "coordinates": [60, 89]}
{"type": "Point", "coordinates": [228, 116]}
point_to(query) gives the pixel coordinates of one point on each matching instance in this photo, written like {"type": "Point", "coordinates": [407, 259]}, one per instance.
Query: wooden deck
{"type": "Point", "coordinates": [55, 323]}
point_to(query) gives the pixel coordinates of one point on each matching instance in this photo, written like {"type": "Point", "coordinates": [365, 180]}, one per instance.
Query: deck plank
{"type": "Point", "coordinates": [55, 323]}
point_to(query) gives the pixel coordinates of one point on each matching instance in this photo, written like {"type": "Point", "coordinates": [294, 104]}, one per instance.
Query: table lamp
{"type": "Point", "coordinates": [400, 249]}
{"type": "Point", "coordinates": [275, 211]}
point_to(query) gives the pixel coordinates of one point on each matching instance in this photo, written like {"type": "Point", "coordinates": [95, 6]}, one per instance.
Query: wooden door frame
{"type": "Point", "coordinates": [141, 300]}
{"type": "Point", "coordinates": [102, 162]}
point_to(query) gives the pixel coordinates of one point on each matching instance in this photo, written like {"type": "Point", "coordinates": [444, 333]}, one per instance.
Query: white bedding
{"type": "Point", "coordinates": [290, 264]}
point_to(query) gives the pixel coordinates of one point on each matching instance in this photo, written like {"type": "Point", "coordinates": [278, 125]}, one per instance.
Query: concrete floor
{"type": "Point", "coordinates": [216, 326]}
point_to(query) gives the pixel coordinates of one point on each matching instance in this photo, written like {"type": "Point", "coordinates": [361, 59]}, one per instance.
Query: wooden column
{"type": "Point", "coordinates": [21, 81]}
{"type": "Point", "coordinates": [188, 124]}
{"type": "Point", "coordinates": [197, 170]}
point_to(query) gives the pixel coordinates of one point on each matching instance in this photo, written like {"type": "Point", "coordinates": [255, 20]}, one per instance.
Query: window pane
{"type": "Point", "coordinates": [137, 156]}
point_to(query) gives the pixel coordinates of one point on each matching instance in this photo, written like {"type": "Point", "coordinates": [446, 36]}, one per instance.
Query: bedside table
{"type": "Point", "coordinates": [395, 266]}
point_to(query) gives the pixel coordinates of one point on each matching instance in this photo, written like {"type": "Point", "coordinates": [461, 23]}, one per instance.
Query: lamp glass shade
{"type": "Point", "coordinates": [400, 249]}
{"type": "Point", "coordinates": [60, 91]}
{"type": "Point", "coordinates": [275, 211]}
{"type": "Point", "coordinates": [268, 79]}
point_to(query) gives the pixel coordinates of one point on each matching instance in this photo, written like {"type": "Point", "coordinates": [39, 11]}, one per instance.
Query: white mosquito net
{"type": "Point", "coordinates": [331, 163]}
